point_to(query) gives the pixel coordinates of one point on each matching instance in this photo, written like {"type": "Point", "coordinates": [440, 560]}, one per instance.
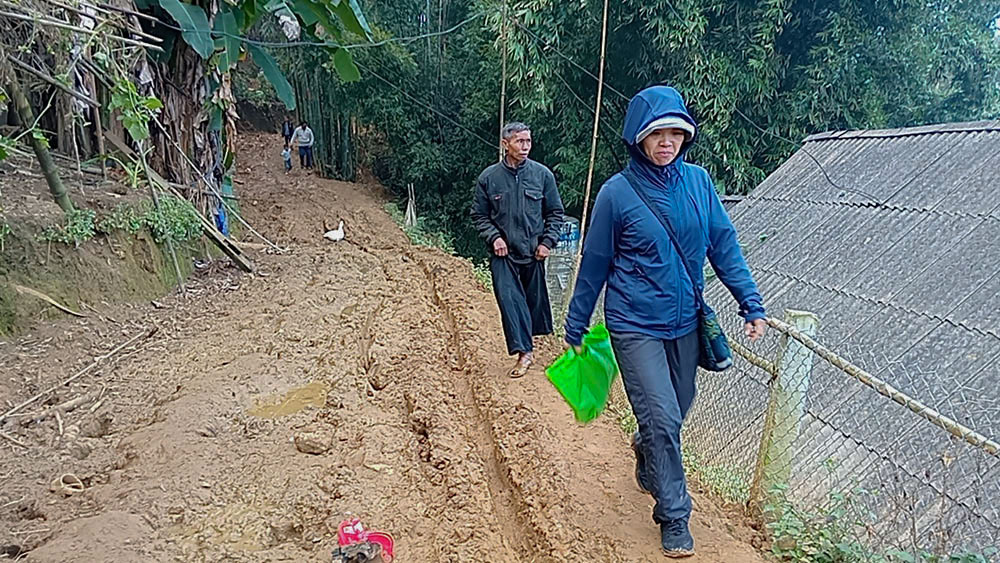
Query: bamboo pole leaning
{"type": "Point", "coordinates": [503, 74]}
{"type": "Point", "coordinates": [593, 158]}
{"type": "Point", "coordinates": [27, 118]}
{"type": "Point", "coordinates": [883, 388]}
{"type": "Point", "coordinates": [52, 82]}
{"type": "Point", "coordinates": [81, 30]}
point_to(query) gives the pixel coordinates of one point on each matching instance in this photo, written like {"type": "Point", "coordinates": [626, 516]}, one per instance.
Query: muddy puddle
{"type": "Point", "coordinates": [293, 401]}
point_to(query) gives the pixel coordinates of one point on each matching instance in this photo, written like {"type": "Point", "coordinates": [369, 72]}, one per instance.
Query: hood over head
{"type": "Point", "coordinates": [654, 108]}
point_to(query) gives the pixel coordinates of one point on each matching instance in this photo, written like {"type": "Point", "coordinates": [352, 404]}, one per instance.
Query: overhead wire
{"type": "Point", "coordinates": [556, 50]}
{"type": "Point", "coordinates": [330, 44]}
{"type": "Point", "coordinates": [407, 39]}
{"type": "Point", "coordinates": [590, 109]}
{"type": "Point", "coordinates": [399, 89]}
{"type": "Point", "coordinates": [733, 107]}
{"type": "Point", "coordinates": [546, 45]}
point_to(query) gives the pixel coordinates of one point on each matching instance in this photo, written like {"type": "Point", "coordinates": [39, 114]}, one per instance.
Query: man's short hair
{"type": "Point", "coordinates": [513, 128]}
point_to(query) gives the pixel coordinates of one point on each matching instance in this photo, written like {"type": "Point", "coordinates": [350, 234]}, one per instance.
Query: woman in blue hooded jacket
{"type": "Point", "coordinates": [651, 302]}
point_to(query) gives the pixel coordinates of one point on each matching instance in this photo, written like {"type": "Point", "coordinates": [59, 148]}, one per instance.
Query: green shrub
{"type": "Point", "coordinates": [420, 234]}
{"type": "Point", "coordinates": [177, 220]}
{"type": "Point", "coordinates": [78, 228]}
{"type": "Point", "coordinates": [831, 533]}
{"type": "Point", "coordinates": [122, 218]}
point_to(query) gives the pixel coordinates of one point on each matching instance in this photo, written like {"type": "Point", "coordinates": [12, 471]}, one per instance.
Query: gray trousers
{"type": "Point", "coordinates": [659, 377]}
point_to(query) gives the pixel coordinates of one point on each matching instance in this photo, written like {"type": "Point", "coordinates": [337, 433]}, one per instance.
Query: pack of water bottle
{"type": "Point", "coordinates": [559, 269]}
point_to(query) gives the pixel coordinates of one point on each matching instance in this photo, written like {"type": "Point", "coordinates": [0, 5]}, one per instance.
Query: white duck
{"type": "Point", "coordinates": [335, 234]}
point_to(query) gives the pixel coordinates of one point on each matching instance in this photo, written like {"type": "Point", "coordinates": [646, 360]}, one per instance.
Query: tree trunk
{"type": "Point", "coordinates": [27, 118]}
{"type": "Point", "coordinates": [191, 153]}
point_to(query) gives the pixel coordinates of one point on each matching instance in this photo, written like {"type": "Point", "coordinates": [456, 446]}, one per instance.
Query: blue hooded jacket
{"type": "Point", "coordinates": [648, 290]}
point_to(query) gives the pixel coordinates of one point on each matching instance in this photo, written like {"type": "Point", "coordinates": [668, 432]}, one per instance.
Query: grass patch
{"type": "Point", "coordinates": [420, 234]}
{"type": "Point", "coordinates": [833, 533]}
{"type": "Point", "coordinates": [728, 482]}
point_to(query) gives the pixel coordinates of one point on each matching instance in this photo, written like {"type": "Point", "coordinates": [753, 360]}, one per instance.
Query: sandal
{"type": "Point", "coordinates": [520, 369]}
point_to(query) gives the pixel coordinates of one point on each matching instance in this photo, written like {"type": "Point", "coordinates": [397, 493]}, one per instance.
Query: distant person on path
{"type": "Point", "coordinates": [286, 155]}
{"type": "Point", "coordinates": [303, 139]}
{"type": "Point", "coordinates": [518, 213]}
{"type": "Point", "coordinates": [287, 129]}
{"type": "Point", "coordinates": [650, 306]}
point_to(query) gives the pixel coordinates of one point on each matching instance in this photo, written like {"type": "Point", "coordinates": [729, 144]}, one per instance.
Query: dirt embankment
{"type": "Point", "coordinates": [110, 269]}
{"type": "Point", "coordinates": [382, 359]}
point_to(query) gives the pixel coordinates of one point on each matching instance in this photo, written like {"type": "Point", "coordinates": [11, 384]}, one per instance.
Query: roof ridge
{"type": "Point", "coordinates": [879, 206]}
{"type": "Point", "coordinates": [962, 127]}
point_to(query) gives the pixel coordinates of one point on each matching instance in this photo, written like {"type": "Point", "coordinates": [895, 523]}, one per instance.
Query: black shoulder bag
{"type": "Point", "coordinates": [714, 353]}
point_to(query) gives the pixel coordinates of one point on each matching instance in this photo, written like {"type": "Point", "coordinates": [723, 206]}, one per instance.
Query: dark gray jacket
{"type": "Point", "coordinates": [521, 206]}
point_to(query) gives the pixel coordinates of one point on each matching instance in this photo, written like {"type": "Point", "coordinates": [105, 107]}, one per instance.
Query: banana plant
{"type": "Point", "coordinates": [223, 42]}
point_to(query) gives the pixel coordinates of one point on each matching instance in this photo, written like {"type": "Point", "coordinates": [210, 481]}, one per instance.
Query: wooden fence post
{"type": "Point", "coordinates": [785, 409]}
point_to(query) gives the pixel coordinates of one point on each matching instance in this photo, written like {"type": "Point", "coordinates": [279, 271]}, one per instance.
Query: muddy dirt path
{"type": "Point", "coordinates": [382, 359]}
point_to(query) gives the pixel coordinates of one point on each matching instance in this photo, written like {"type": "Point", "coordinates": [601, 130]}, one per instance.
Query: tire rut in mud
{"type": "Point", "coordinates": [506, 501]}
{"type": "Point", "coordinates": [458, 453]}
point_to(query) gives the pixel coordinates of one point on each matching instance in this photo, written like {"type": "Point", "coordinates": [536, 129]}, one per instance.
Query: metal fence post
{"type": "Point", "coordinates": [786, 407]}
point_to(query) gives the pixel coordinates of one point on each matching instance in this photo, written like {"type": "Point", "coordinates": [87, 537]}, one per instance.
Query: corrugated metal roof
{"type": "Point", "coordinates": [895, 244]}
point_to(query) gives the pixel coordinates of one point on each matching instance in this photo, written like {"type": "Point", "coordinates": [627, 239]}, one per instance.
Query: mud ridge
{"type": "Point", "coordinates": [506, 498]}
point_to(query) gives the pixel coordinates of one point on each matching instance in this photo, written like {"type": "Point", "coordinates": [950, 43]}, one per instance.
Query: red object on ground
{"type": "Point", "coordinates": [358, 545]}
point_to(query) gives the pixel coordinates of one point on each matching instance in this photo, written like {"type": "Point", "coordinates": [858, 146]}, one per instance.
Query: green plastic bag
{"type": "Point", "coordinates": [584, 379]}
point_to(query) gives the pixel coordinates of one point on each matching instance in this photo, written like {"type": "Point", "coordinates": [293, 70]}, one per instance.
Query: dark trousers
{"type": "Point", "coordinates": [306, 157]}
{"type": "Point", "coordinates": [659, 378]}
{"type": "Point", "coordinates": [524, 301]}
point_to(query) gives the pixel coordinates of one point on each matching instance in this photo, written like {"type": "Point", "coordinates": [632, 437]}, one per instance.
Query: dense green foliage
{"type": "Point", "coordinates": [78, 228]}
{"type": "Point", "coordinates": [757, 75]}
{"type": "Point", "coordinates": [176, 220]}
{"type": "Point", "coordinates": [222, 43]}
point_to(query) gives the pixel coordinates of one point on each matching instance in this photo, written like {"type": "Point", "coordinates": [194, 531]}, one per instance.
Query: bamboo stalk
{"type": "Point", "coordinates": [98, 126]}
{"type": "Point", "coordinates": [84, 31]}
{"type": "Point", "coordinates": [24, 113]}
{"type": "Point", "coordinates": [503, 74]}
{"type": "Point", "coordinates": [951, 426]}
{"type": "Point", "coordinates": [52, 82]}
{"type": "Point", "coordinates": [593, 154]}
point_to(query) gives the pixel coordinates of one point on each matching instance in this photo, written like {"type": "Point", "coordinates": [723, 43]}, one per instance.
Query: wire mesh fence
{"type": "Point", "coordinates": [833, 455]}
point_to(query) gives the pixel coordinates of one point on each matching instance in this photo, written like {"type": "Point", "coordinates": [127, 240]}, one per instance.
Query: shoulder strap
{"type": "Point", "coordinates": [670, 232]}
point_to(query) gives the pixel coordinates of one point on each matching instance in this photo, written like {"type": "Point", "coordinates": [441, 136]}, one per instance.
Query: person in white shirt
{"type": "Point", "coordinates": [303, 138]}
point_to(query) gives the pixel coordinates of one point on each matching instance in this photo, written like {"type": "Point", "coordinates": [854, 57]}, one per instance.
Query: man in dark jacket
{"type": "Point", "coordinates": [518, 213]}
